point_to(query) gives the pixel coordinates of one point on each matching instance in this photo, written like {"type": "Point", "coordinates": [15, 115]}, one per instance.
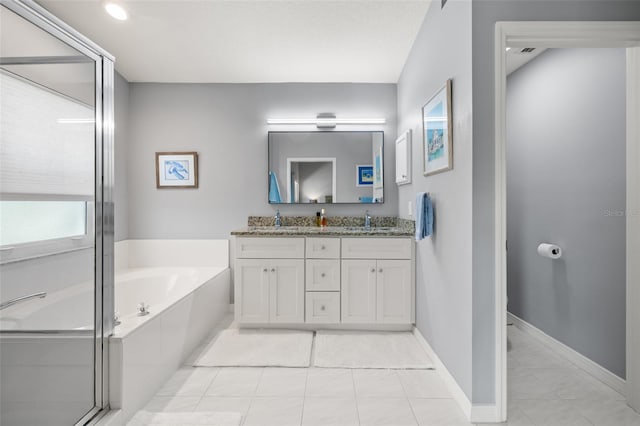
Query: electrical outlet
{"type": "Point", "coordinates": [410, 208]}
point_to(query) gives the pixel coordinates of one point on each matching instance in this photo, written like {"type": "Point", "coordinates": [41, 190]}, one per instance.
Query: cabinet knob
{"type": "Point", "coordinates": [265, 270]}
{"type": "Point", "coordinates": [380, 270]}
{"type": "Point", "coordinates": [322, 275]}
{"type": "Point", "coordinates": [322, 247]}
{"type": "Point", "coordinates": [404, 176]}
{"type": "Point", "coordinates": [274, 269]}
{"type": "Point", "coordinates": [373, 270]}
{"type": "Point", "coordinates": [323, 308]}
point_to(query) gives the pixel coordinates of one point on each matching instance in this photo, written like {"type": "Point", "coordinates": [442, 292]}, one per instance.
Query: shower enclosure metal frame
{"type": "Point", "coordinates": [104, 178]}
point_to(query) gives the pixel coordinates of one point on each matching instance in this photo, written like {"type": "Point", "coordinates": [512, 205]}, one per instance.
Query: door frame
{"type": "Point", "coordinates": [575, 34]}
{"type": "Point", "coordinates": [332, 160]}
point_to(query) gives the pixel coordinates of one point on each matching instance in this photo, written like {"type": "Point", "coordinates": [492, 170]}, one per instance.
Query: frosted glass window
{"type": "Point", "coordinates": [31, 221]}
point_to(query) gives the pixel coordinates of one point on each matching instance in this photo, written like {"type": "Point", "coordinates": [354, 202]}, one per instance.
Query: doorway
{"type": "Point", "coordinates": [568, 35]}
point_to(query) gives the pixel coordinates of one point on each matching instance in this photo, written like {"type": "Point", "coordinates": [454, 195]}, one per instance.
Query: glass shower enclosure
{"type": "Point", "coordinates": [56, 220]}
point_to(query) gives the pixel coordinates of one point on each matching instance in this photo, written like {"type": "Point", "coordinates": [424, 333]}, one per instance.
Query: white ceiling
{"type": "Point", "coordinates": [246, 41]}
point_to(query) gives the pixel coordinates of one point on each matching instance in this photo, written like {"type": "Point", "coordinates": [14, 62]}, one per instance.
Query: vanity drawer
{"type": "Point", "coordinates": [376, 248]}
{"type": "Point", "coordinates": [323, 248]}
{"type": "Point", "coordinates": [323, 275]}
{"type": "Point", "coordinates": [323, 307]}
{"type": "Point", "coordinates": [270, 248]}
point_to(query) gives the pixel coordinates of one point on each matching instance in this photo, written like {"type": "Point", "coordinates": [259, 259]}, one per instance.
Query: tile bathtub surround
{"type": "Point", "coordinates": [380, 221]}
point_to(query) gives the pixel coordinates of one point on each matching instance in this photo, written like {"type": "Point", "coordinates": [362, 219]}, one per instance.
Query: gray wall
{"type": "Point", "coordinates": [485, 14]}
{"type": "Point", "coordinates": [121, 187]}
{"type": "Point", "coordinates": [441, 51]}
{"type": "Point", "coordinates": [349, 149]}
{"type": "Point", "coordinates": [565, 172]}
{"type": "Point", "coordinates": [226, 124]}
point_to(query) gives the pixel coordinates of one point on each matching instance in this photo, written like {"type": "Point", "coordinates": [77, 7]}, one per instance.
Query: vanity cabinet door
{"type": "Point", "coordinates": [252, 290]}
{"type": "Point", "coordinates": [358, 295]}
{"type": "Point", "coordinates": [393, 292]}
{"type": "Point", "coordinates": [286, 291]}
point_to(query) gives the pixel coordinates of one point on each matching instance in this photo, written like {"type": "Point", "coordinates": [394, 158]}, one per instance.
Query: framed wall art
{"type": "Point", "coordinates": [176, 169]}
{"type": "Point", "coordinates": [437, 134]}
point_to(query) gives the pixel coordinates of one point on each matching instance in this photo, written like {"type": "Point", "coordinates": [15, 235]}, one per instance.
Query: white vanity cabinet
{"type": "Point", "coordinates": [269, 286]}
{"type": "Point", "coordinates": [377, 280]}
{"type": "Point", "coordinates": [336, 281]}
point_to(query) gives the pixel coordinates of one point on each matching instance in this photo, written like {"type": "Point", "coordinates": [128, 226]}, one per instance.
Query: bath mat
{"type": "Point", "coordinates": [179, 418]}
{"type": "Point", "coordinates": [258, 348]}
{"type": "Point", "coordinates": [364, 349]}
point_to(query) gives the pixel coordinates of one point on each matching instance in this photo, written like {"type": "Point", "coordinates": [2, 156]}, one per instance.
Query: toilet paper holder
{"type": "Point", "coordinates": [551, 251]}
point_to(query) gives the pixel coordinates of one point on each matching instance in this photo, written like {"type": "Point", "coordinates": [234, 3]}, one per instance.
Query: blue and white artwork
{"type": "Point", "coordinates": [176, 169]}
{"type": "Point", "coordinates": [364, 175]}
{"type": "Point", "coordinates": [436, 136]}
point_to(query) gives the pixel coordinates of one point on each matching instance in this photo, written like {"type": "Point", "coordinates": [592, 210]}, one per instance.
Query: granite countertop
{"type": "Point", "coordinates": [337, 231]}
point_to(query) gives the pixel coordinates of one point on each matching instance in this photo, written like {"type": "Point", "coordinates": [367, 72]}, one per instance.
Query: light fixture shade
{"type": "Point", "coordinates": [325, 121]}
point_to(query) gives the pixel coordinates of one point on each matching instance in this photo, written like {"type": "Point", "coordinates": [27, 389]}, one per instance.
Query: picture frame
{"type": "Point", "coordinates": [364, 175]}
{"type": "Point", "coordinates": [176, 170]}
{"type": "Point", "coordinates": [437, 132]}
{"type": "Point", "coordinates": [378, 177]}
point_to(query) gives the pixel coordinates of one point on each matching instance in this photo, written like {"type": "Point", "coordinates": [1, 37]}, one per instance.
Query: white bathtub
{"type": "Point", "coordinates": [185, 304]}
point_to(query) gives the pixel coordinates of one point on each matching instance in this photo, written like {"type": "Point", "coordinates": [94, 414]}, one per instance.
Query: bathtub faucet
{"type": "Point", "coordinates": [22, 299]}
{"type": "Point", "coordinates": [143, 309]}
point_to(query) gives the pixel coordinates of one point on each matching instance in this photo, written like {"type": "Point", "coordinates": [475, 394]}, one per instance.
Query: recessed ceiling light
{"type": "Point", "coordinates": [116, 11]}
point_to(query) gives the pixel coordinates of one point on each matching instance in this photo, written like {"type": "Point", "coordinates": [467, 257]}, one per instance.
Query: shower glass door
{"type": "Point", "coordinates": [50, 224]}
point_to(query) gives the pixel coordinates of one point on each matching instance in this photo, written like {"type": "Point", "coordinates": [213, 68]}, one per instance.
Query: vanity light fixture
{"type": "Point", "coordinates": [116, 11]}
{"type": "Point", "coordinates": [325, 121]}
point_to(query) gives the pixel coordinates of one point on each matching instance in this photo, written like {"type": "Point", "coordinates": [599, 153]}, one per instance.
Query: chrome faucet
{"type": "Point", "coordinates": [367, 220]}
{"type": "Point", "coordinates": [278, 219]}
{"type": "Point", "coordinates": [22, 299]}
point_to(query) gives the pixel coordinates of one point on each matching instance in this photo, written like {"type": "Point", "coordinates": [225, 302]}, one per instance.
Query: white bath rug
{"type": "Point", "coordinates": [365, 349]}
{"type": "Point", "coordinates": [258, 348]}
{"type": "Point", "coordinates": [203, 418]}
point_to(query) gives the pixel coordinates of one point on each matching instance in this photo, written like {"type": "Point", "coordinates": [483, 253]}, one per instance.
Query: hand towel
{"type": "Point", "coordinates": [274, 189]}
{"type": "Point", "coordinates": [424, 216]}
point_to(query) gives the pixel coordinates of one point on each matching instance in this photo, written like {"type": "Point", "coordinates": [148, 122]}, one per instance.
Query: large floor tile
{"type": "Point", "coordinates": [515, 417]}
{"type": "Point", "coordinates": [274, 412]}
{"type": "Point", "coordinates": [607, 412]}
{"type": "Point", "coordinates": [423, 384]}
{"type": "Point", "coordinates": [438, 412]}
{"type": "Point", "coordinates": [377, 383]}
{"type": "Point", "coordinates": [188, 381]}
{"type": "Point", "coordinates": [225, 404]}
{"type": "Point", "coordinates": [282, 382]}
{"type": "Point", "coordinates": [577, 384]}
{"type": "Point", "coordinates": [551, 412]}
{"type": "Point", "coordinates": [231, 381]}
{"type": "Point", "coordinates": [160, 404]}
{"type": "Point", "coordinates": [385, 412]}
{"type": "Point", "coordinates": [330, 382]}
{"type": "Point", "coordinates": [330, 412]}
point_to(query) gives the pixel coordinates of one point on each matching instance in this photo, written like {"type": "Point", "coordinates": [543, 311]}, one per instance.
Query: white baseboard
{"type": "Point", "coordinates": [478, 413]}
{"type": "Point", "coordinates": [596, 370]}
{"type": "Point", "coordinates": [457, 392]}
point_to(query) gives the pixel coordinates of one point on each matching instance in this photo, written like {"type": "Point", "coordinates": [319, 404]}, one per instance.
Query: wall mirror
{"type": "Point", "coordinates": [326, 167]}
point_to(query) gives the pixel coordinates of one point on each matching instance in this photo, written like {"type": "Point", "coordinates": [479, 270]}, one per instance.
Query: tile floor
{"type": "Point", "coordinates": [544, 390]}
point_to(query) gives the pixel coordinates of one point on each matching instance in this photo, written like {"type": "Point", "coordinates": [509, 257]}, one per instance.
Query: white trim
{"type": "Point", "coordinates": [456, 391]}
{"type": "Point", "coordinates": [571, 355]}
{"type": "Point", "coordinates": [555, 35]}
{"type": "Point", "coordinates": [332, 160]}
{"type": "Point", "coordinates": [633, 226]}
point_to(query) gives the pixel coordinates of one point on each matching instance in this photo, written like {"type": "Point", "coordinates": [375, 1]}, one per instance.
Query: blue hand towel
{"type": "Point", "coordinates": [274, 189]}
{"type": "Point", "coordinates": [424, 216]}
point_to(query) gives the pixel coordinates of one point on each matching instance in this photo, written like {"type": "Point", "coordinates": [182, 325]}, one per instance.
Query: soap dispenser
{"type": "Point", "coordinates": [323, 218]}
